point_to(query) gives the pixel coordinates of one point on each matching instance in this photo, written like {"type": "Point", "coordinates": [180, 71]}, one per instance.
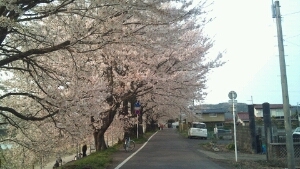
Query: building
{"type": "Point", "coordinates": [243, 118]}
{"type": "Point", "coordinates": [276, 111]}
{"type": "Point", "coordinates": [277, 114]}
{"type": "Point", "coordinates": [212, 117]}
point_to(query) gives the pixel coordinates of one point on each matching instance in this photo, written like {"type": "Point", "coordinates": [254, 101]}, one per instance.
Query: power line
{"type": "Point", "coordinates": [291, 43]}
{"type": "Point", "coordinates": [291, 13]}
{"type": "Point", "coordinates": [292, 36]}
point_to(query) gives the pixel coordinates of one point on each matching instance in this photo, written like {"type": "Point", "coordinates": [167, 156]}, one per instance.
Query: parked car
{"type": "Point", "coordinates": [296, 135]}
{"type": "Point", "coordinates": [223, 131]}
{"type": "Point", "coordinates": [197, 129]}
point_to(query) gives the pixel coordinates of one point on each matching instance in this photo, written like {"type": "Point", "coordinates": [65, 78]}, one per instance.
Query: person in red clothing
{"type": "Point", "coordinates": [161, 126]}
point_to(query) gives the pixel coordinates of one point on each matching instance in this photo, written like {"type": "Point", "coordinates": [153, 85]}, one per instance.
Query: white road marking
{"type": "Point", "coordinates": [133, 154]}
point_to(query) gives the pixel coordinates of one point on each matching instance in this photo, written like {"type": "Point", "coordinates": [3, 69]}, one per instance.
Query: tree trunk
{"type": "Point", "coordinates": [99, 140]}
{"type": "Point", "coordinates": [99, 133]}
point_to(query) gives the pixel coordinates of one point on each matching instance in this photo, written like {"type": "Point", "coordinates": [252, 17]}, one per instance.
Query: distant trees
{"type": "Point", "coordinates": [66, 61]}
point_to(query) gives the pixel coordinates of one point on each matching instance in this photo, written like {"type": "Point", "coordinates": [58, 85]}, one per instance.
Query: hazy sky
{"type": "Point", "coordinates": [247, 32]}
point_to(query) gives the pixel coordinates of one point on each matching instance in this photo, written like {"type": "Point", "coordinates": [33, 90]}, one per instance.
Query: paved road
{"type": "Point", "coordinates": [168, 150]}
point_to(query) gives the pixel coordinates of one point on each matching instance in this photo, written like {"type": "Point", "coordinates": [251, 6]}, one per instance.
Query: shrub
{"type": "Point", "coordinates": [230, 146]}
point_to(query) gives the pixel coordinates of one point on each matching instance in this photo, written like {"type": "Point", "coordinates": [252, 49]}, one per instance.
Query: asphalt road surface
{"type": "Point", "coordinates": [168, 150]}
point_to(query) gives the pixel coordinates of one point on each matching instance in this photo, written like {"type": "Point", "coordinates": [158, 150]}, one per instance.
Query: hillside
{"type": "Point", "coordinates": [240, 107]}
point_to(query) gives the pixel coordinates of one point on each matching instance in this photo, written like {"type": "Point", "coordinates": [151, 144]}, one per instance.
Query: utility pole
{"type": "Point", "coordinates": [298, 117]}
{"type": "Point", "coordinates": [284, 87]}
{"type": "Point", "coordinates": [251, 100]}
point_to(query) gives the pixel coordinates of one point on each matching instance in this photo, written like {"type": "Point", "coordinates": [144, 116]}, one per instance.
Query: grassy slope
{"type": "Point", "coordinates": [101, 159]}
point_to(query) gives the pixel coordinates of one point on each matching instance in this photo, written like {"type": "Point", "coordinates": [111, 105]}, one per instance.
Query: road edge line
{"type": "Point", "coordinates": [133, 154]}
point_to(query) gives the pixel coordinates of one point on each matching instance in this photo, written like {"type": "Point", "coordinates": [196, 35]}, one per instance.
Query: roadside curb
{"type": "Point", "coordinates": [212, 154]}
{"type": "Point", "coordinates": [230, 155]}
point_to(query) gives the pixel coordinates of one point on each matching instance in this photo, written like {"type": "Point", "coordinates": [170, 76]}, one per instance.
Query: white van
{"type": "Point", "coordinates": [197, 129]}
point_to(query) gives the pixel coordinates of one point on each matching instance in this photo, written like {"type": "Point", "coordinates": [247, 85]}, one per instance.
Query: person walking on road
{"type": "Point", "coordinates": [84, 149]}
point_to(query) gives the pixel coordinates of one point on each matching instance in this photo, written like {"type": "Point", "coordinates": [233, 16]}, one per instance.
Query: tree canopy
{"type": "Point", "coordinates": [69, 68]}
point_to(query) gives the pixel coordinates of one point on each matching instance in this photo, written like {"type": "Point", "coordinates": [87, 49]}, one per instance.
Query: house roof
{"type": "Point", "coordinates": [244, 116]}
{"type": "Point", "coordinates": [218, 111]}
{"type": "Point", "coordinates": [272, 106]}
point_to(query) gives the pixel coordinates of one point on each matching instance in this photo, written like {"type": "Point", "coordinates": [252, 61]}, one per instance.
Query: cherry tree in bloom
{"type": "Point", "coordinates": [137, 61]}
{"type": "Point", "coordinates": [74, 65]}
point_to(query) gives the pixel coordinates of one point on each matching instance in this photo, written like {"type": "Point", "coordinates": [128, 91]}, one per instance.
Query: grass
{"type": "Point", "coordinates": [101, 159]}
{"type": "Point", "coordinates": [143, 138]}
{"type": "Point", "coordinates": [96, 160]}
{"type": "Point", "coordinates": [183, 132]}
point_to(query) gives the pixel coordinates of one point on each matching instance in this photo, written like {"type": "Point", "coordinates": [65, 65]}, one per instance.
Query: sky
{"type": "Point", "coordinates": [247, 33]}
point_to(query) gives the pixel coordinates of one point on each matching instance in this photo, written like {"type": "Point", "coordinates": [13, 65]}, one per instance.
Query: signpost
{"type": "Point", "coordinates": [232, 95]}
{"type": "Point", "coordinates": [137, 108]}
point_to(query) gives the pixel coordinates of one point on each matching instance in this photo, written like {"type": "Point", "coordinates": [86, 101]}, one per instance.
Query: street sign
{"type": "Point", "coordinates": [137, 105]}
{"type": "Point", "coordinates": [137, 112]}
{"type": "Point", "coordinates": [232, 95]}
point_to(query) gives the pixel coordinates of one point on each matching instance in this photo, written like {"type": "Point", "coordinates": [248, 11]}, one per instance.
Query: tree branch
{"type": "Point", "coordinates": [27, 118]}
{"type": "Point", "coordinates": [32, 52]}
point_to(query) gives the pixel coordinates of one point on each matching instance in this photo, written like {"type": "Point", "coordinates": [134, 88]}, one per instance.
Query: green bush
{"type": "Point", "coordinates": [230, 146]}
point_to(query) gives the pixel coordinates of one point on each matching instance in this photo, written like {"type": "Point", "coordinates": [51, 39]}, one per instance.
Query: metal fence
{"type": "Point", "coordinates": [282, 139]}
{"type": "Point", "coordinates": [278, 151]}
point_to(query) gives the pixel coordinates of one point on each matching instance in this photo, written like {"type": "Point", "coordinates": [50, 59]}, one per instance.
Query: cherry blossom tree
{"type": "Point", "coordinates": [132, 63]}
{"type": "Point", "coordinates": [73, 65]}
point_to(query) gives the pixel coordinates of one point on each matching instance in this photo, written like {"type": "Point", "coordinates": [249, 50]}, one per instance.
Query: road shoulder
{"type": "Point", "coordinates": [120, 155]}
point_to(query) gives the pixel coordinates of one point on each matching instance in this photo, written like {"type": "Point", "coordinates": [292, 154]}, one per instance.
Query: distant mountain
{"type": "Point", "coordinates": [239, 107]}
